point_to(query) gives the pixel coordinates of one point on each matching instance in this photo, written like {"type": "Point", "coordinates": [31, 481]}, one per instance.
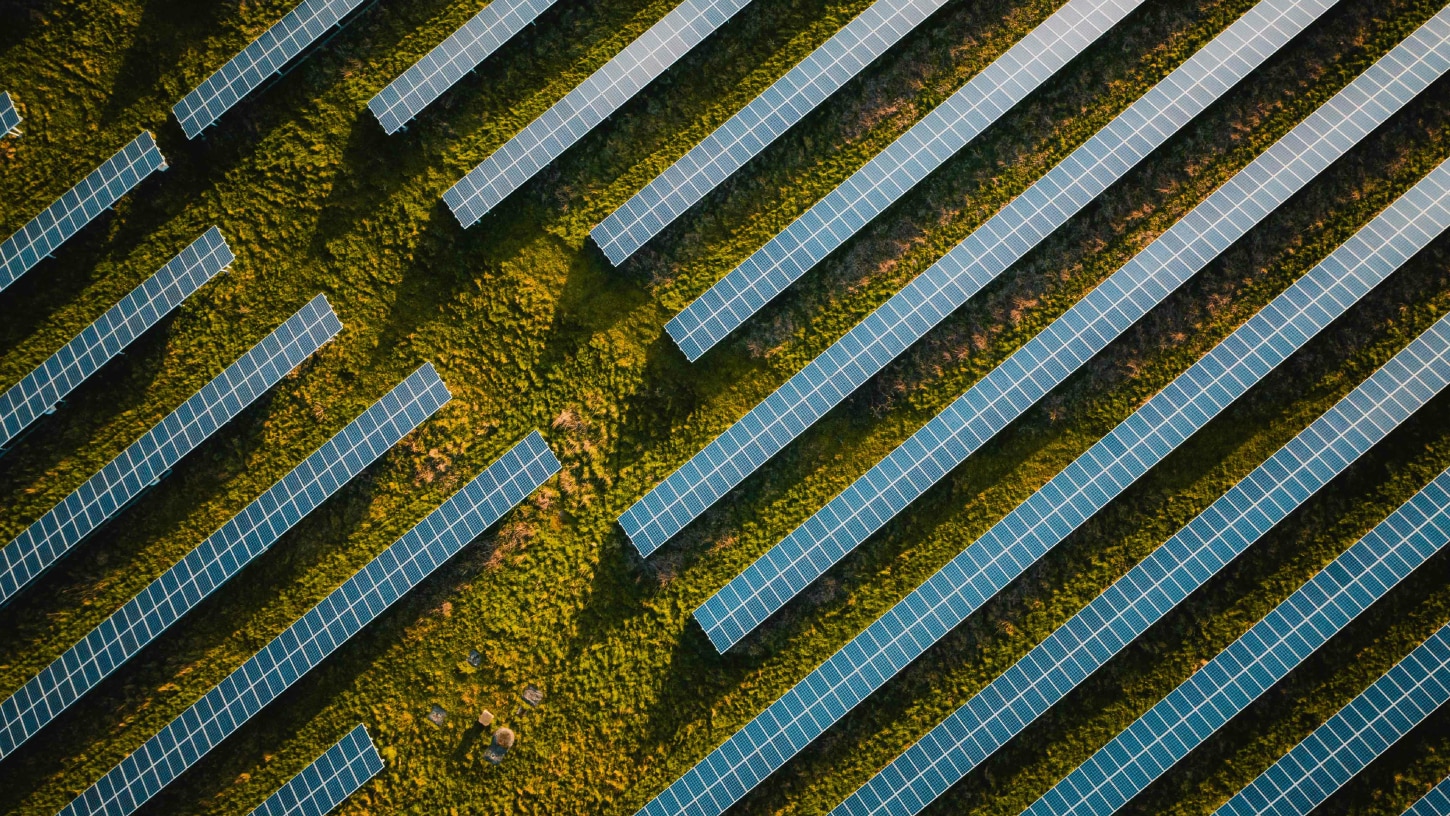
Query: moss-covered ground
{"type": "Point", "coordinates": [530, 328]}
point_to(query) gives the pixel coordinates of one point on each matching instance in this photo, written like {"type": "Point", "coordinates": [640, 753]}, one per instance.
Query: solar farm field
{"type": "Point", "coordinates": [530, 326]}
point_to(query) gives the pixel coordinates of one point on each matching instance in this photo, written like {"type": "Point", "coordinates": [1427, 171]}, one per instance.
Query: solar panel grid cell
{"type": "Point", "coordinates": [262, 58]}
{"type": "Point", "coordinates": [78, 206]}
{"type": "Point", "coordinates": [544, 139]}
{"type": "Point", "coordinates": [149, 458]}
{"type": "Point", "coordinates": [364, 596]}
{"type": "Point", "coordinates": [9, 116]}
{"type": "Point", "coordinates": [220, 557]}
{"type": "Point", "coordinates": [1341, 747]}
{"type": "Point", "coordinates": [331, 778]}
{"type": "Point", "coordinates": [42, 389]}
{"type": "Point", "coordinates": [465, 49]}
{"type": "Point", "coordinates": [924, 302]}
{"type": "Point", "coordinates": [759, 123]}
{"type": "Point", "coordinates": [1434, 803]}
{"type": "Point", "coordinates": [886, 177]}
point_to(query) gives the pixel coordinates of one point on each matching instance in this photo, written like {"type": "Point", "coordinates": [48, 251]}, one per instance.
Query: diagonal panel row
{"type": "Point", "coordinates": [992, 248]}
{"type": "Point", "coordinates": [219, 558]}
{"type": "Point", "coordinates": [320, 631]}
{"type": "Point", "coordinates": [44, 388]}
{"type": "Point", "coordinates": [1340, 748]}
{"type": "Point", "coordinates": [93, 195]}
{"type": "Point", "coordinates": [262, 58]}
{"type": "Point", "coordinates": [149, 458]}
{"type": "Point", "coordinates": [1434, 803]}
{"type": "Point", "coordinates": [331, 778]}
{"type": "Point", "coordinates": [9, 116]}
{"type": "Point", "coordinates": [464, 50]}
{"type": "Point", "coordinates": [1138, 443]}
{"type": "Point", "coordinates": [547, 137]}
{"type": "Point", "coordinates": [1049, 358]}
{"type": "Point", "coordinates": [893, 171]}
{"type": "Point", "coordinates": [759, 123]}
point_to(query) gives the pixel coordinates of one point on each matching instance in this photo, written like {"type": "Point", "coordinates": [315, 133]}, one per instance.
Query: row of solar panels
{"type": "Point", "coordinates": [1200, 549]}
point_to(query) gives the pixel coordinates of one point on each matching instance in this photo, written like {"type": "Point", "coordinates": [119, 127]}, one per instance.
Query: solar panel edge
{"type": "Point", "coordinates": [10, 117]}
{"type": "Point", "coordinates": [1436, 802]}
{"type": "Point", "coordinates": [328, 780]}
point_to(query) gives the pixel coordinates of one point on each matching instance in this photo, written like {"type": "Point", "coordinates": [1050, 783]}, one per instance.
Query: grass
{"type": "Point", "coordinates": [530, 329]}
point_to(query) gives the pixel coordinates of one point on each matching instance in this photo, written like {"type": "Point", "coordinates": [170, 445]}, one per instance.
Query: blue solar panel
{"type": "Point", "coordinates": [1337, 750]}
{"type": "Point", "coordinates": [547, 137]}
{"type": "Point", "coordinates": [748, 132]}
{"type": "Point", "coordinates": [95, 194]}
{"type": "Point", "coordinates": [152, 456]}
{"type": "Point", "coordinates": [9, 116]}
{"type": "Point", "coordinates": [262, 58]}
{"type": "Point", "coordinates": [44, 388]}
{"type": "Point", "coordinates": [220, 557]}
{"type": "Point", "coordinates": [1004, 238]}
{"type": "Point", "coordinates": [1254, 505]}
{"type": "Point", "coordinates": [320, 631]}
{"type": "Point", "coordinates": [330, 779]}
{"type": "Point", "coordinates": [1216, 693]}
{"type": "Point", "coordinates": [1434, 803]}
{"type": "Point", "coordinates": [898, 168]}
{"type": "Point", "coordinates": [465, 49]}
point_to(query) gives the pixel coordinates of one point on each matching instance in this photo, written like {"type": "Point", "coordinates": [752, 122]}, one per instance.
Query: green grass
{"type": "Point", "coordinates": [530, 329]}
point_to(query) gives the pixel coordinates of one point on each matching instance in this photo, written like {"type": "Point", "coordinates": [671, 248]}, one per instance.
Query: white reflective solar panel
{"type": "Point", "coordinates": [1163, 580]}
{"type": "Point", "coordinates": [465, 49]}
{"type": "Point", "coordinates": [1064, 346]}
{"type": "Point", "coordinates": [9, 116]}
{"type": "Point", "coordinates": [93, 195]}
{"type": "Point", "coordinates": [898, 168]}
{"type": "Point", "coordinates": [320, 631]}
{"type": "Point", "coordinates": [1340, 748]}
{"type": "Point", "coordinates": [759, 123]}
{"type": "Point", "coordinates": [262, 58]}
{"type": "Point", "coordinates": [1434, 803]}
{"type": "Point", "coordinates": [331, 778]}
{"type": "Point", "coordinates": [152, 456]}
{"type": "Point", "coordinates": [1006, 237]}
{"type": "Point", "coordinates": [43, 389]}
{"type": "Point", "coordinates": [547, 137]}
{"type": "Point", "coordinates": [220, 557]}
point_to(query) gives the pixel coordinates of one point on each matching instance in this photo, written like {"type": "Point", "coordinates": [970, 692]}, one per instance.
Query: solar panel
{"type": "Point", "coordinates": [151, 457]}
{"type": "Point", "coordinates": [9, 116]}
{"type": "Point", "coordinates": [1254, 505]}
{"type": "Point", "coordinates": [1434, 803]}
{"type": "Point", "coordinates": [44, 388]}
{"type": "Point", "coordinates": [1163, 580]}
{"type": "Point", "coordinates": [547, 137]}
{"type": "Point", "coordinates": [893, 171]}
{"type": "Point", "coordinates": [262, 58]}
{"type": "Point", "coordinates": [95, 193]}
{"type": "Point", "coordinates": [759, 123]}
{"type": "Point", "coordinates": [465, 49]}
{"type": "Point", "coordinates": [320, 631]}
{"type": "Point", "coordinates": [998, 243]}
{"type": "Point", "coordinates": [1337, 750]}
{"type": "Point", "coordinates": [330, 779]}
{"type": "Point", "coordinates": [219, 558]}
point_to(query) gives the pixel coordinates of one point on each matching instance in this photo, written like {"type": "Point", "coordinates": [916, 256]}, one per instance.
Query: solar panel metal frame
{"type": "Point", "coordinates": [330, 779]}
{"type": "Point", "coordinates": [584, 107]}
{"type": "Point", "coordinates": [1157, 584]}
{"type": "Point", "coordinates": [261, 59]}
{"type": "Point", "coordinates": [148, 459]}
{"type": "Point", "coordinates": [308, 641]}
{"type": "Point", "coordinates": [884, 647]}
{"type": "Point", "coordinates": [40, 391]}
{"type": "Point", "coordinates": [1262, 656]}
{"type": "Point", "coordinates": [778, 108]}
{"type": "Point", "coordinates": [887, 176]}
{"type": "Point", "coordinates": [1358, 733]}
{"type": "Point", "coordinates": [1434, 803]}
{"type": "Point", "coordinates": [465, 49]}
{"type": "Point", "coordinates": [9, 117]}
{"type": "Point", "coordinates": [219, 558]}
{"type": "Point", "coordinates": [78, 206]}
{"type": "Point", "coordinates": [980, 258]}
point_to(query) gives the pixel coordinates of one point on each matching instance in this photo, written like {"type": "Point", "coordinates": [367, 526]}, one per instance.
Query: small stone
{"type": "Point", "coordinates": [437, 715]}
{"type": "Point", "coordinates": [486, 718]}
{"type": "Point", "coordinates": [533, 695]}
{"type": "Point", "coordinates": [475, 658]}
